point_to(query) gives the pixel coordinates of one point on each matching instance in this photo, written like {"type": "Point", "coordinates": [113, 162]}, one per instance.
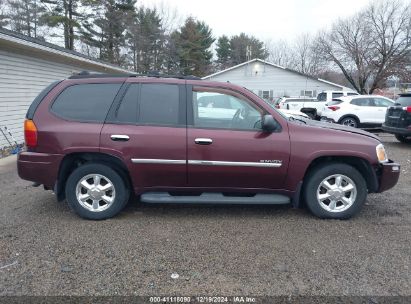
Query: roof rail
{"type": "Point", "coordinates": [154, 74]}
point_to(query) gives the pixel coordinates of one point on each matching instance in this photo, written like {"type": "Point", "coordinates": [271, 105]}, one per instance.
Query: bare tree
{"type": "Point", "coordinates": [306, 58]}
{"type": "Point", "coordinates": [371, 46]}
{"type": "Point", "coordinates": [280, 53]}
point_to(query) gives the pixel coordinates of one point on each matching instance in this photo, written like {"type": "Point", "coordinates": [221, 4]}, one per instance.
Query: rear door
{"type": "Point", "coordinates": [146, 128]}
{"type": "Point", "coordinates": [226, 147]}
{"type": "Point", "coordinates": [364, 109]}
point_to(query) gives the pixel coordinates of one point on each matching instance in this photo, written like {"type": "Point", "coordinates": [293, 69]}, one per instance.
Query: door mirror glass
{"type": "Point", "coordinates": [269, 124]}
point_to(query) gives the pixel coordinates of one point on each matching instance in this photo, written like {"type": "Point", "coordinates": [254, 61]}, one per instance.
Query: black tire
{"type": "Point", "coordinates": [321, 172]}
{"type": "Point", "coordinates": [403, 139]}
{"type": "Point", "coordinates": [350, 121]}
{"type": "Point", "coordinates": [121, 190]}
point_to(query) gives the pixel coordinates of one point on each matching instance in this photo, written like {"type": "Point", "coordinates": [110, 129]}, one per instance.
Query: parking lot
{"type": "Point", "coordinates": [45, 249]}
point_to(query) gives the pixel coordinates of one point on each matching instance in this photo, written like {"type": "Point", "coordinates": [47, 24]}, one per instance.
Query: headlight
{"type": "Point", "coordinates": [381, 154]}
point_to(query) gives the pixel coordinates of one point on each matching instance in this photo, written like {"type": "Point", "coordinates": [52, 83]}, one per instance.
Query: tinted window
{"type": "Point", "coordinates": [352, 94]}
{"type": "Point", "coordinates": [159, 104]}
{"type": "Point", "coordinates": [381, 102]}
{"type": "Point", "coordinates": [86, 102]}
{"type": "Point", "coordinates": [322, 97]}
{"type": "Point", "coordinates": [404, 100]}
{"type": "Point", "coordinates": [336, 95]}
{"type": "Point", "coordinates": [224, 111]}
{"type": "Point", "coordinates": [363, 102]}
{"type": "Point", "coordinates": [127, 111]}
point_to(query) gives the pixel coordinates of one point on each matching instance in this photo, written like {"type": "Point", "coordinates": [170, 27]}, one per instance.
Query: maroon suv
{"type": "Point", "coordinates": [97, 140]}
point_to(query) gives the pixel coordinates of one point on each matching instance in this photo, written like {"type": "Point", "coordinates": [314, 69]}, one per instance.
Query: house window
{"type": "Point", "coordinates": [266, 94]}
{"type": "Point", "coordinates": [308, 93]}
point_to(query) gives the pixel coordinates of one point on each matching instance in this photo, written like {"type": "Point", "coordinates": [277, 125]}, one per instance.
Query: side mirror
{"type": "Point", "coordinates": [269, 124]}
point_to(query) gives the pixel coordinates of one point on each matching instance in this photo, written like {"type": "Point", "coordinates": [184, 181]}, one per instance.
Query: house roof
{"type": "Point", "coordinates": [43, 46]}
{"type": "Point", "coordinates": [276, 66]}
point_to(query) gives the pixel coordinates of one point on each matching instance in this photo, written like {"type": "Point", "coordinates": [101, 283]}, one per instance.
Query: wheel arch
{"type": "Point", "coordinates": [350, 115]}
{"type": "Point", "coordinates": [362, 165]}
{"type": "Point", "coordinates": [74, 160]}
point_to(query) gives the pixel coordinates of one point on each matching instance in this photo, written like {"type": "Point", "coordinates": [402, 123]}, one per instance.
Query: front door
{"type": "Point", "coordinates": [226, 146]}
{"type": "Point", "coordinates": [147, 129]}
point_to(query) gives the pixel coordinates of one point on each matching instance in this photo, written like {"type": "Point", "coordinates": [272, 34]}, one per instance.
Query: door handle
{"type": "Point", "coordinates": [203, 141]}
{"type": "Point", "coordinates": [116, 137]}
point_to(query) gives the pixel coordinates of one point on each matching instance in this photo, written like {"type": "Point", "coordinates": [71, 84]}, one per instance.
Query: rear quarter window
{"type": "Point", "coordinates": [334, 102]}
{"type": "Point", "coordinates": [85, 102]}
{"type": "Point", "coordinates": [405, 101]}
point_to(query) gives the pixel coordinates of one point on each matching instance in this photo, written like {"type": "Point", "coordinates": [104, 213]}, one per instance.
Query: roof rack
{"type": "Point", "coordinates": [154, 74]}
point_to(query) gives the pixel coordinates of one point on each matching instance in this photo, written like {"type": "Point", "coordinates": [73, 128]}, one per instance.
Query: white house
{"type": "Point", "coordinates": [270, 81]}
{"type": "Point", "coordinates": [27, 66]}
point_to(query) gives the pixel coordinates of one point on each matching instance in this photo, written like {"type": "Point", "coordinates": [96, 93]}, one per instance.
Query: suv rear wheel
{"type": "Point", "coordinates": [403, 139]}
{"type": "Point", "coordinates": [349, 121]}
{"type": "Point", "coordinates": [96, 191]}
{"type": "Point", "coordinates": [335, 191]}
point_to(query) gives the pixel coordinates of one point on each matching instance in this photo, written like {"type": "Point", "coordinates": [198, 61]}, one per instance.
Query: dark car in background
{"type": "Point", "coordinates": [398, 119]}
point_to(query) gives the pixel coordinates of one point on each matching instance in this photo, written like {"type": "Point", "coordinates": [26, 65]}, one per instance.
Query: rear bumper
{"type": "Point", "coordinates": [388, 175]}
{"type": "Point", "coordinates": [40, 168]}
{"type": "Point", "coordinates": [394, 130]}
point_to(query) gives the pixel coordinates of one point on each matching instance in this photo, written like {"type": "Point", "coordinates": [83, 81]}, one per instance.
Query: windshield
{"type": "Point", "coordinates": [404, 100]}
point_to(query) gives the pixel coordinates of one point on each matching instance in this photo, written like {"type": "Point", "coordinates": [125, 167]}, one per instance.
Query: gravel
{"type": "Point", "coordinates": [45, 249]}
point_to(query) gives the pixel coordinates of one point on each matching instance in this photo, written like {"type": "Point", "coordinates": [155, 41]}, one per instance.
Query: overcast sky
{"type": "Point", "coordinates": [265, 19]}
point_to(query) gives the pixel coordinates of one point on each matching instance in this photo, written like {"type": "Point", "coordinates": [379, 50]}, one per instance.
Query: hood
{"type": "Point", "coordinates": [333, 126]}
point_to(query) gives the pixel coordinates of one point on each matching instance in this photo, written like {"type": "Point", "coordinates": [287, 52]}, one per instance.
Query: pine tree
{"type": "Point", "coordinates": [63, 14]}
{"type": "Point", "coordinates": [223, 50]}
{"type": "Point", "coordinates": [193, 45]}
{"type": "Point", "coordinates": [146, 39]}
{"type": "Point", "coordinates": [239, 45]}
{"type": "Point", "coordinates": [105, 27]}
{"type": "Point", "coordinates": [24, 16]}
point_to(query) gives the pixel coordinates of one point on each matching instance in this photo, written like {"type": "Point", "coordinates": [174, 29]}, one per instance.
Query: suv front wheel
{"type": "Point", "coordinates": [335, 191]}
{"type": "Point", "coordinates": [96, 191]}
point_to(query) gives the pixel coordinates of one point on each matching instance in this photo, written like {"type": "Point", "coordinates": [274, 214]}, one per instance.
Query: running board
{"type": "Point", "coordinates": [214, 198]}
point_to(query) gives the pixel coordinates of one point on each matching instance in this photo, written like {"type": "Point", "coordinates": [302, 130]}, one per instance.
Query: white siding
{"type": "Point", "coordinates": [22, 78]}
{"type": "Point", "coordinates": [257, 76]}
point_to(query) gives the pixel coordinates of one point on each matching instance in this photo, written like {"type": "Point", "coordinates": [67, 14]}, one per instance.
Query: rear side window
{"type": "Point", "coordinates": [85, 102]}
{"type": "Point", "coordinates": [33, 107]}
{"type": "Point", "coordinates": [159, 104]}
{"type": "Point", "coordinates": [404, 100]}
{"type": "Point", "coordinates": [352, 94]}
{"type": "Point", "coordinates": [363, 102]}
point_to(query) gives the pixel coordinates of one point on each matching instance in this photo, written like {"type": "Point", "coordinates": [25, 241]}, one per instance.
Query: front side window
{"type": "Point", "coordinates": [224, 110]}
{"type": "Point", "coordinates": [86, 102]}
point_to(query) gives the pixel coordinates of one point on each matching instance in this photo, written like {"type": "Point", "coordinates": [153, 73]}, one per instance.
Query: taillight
{"type": "Point", "coordinates": [408, 109]}
{"type": "Point", "coordinates": [334, 108]}
{"type": "Point", "coordinates": [277, 106]}
{"type": "Point", "coordinates": [30, 133]}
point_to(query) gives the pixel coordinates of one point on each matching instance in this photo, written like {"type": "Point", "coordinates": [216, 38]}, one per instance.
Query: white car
{"type": "Point", "coordinates": [355, 111]}
{"type": "Point", "coordinates": [327, 96]}
{"type": "Point", "coordinates": [307, 105]}
{"type": "Point", "coordinates": [291, 113]}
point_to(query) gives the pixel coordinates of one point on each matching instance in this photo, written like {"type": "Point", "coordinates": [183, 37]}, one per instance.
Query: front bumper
{"type": "Point", "coordinates": [394, 130]}
{"type": "Point", "coordinates": [40, 168]}
{"type": "Point", "coordinates": [388, 175]}
{"type": "Point", "coordinates": [326, 119]}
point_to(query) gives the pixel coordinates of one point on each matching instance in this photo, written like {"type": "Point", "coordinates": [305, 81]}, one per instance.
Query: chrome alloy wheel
{"type": "Point", "coordinates": [336, 193]}
{"type": "Point", "coordinates": [95, 192]}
